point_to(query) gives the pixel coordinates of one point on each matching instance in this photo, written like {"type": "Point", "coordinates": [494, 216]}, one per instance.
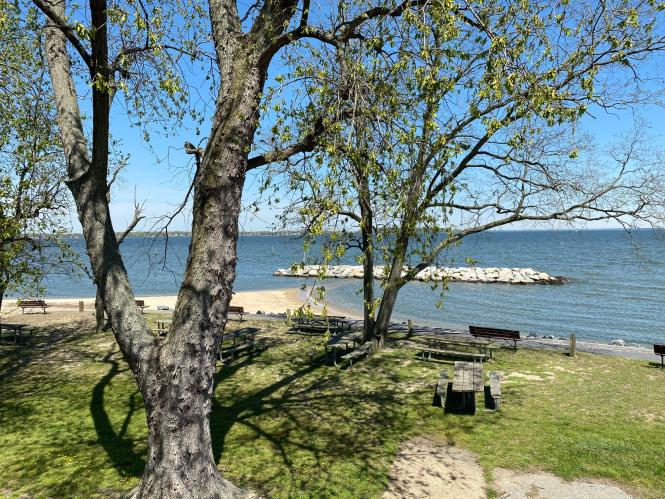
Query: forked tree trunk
{"type": "Point", "coordinates": [175, 376]}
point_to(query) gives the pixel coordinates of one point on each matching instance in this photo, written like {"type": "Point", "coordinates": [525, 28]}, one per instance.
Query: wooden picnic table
{"type": "Point", "coordinates": [320, 324]}
{"type": "Point", "coordinates": [16, 329]}
{"type": "Point", "coordinates": [468, 380]}
{"type": "Point", "coordinates": [241, 340]}
{"type": "Point", "coordinates": [482, 345]}
{"type": "Point", "coordinates": [343, 341]}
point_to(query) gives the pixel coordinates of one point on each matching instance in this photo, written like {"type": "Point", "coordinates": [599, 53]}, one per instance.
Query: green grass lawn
{"type": "Point", "coordinates": [72, 422]}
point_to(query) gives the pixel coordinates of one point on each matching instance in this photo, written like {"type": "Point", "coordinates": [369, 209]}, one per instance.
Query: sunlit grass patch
{"type": "Point", "coordinates": [72, 422]}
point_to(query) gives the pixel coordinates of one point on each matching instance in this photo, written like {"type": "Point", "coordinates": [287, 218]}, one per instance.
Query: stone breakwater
{"type": "Point", "coordinates": [452, 274]}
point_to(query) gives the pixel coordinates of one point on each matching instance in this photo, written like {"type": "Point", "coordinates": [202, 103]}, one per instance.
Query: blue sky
{"type": "Point", "coordinates": [158, 173]}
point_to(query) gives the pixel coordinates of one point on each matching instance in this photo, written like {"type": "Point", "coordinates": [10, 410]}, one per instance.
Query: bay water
{"type": "Point", "coordinates": [616, 285]}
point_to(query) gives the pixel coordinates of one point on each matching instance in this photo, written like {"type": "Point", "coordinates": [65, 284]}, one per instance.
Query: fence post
{"type": "Point", "coordinates": [81, 306]}
{"type": "Point", "coordinates": [409, 325]}
{"type": "Point", "coordinates": [573, 344]}
{"type": "Point", "coordinates": [288, 316]}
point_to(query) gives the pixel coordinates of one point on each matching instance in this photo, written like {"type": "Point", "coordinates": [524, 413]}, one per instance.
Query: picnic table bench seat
{"type": "Point", "coordinates": [442, 388]}
{"type": "Point", "coordinates": [507, 335]}
{"type": "Point", "coordinates": [493, 391]}
{"type": "Point", "coordinates": [659, 350]}
{"type": "Point", "coordinates": [359, 352]}
{"type": "Point", "coordinates": [234, 350]}
{"type": "Point", "coordinates": [32, 304]}
{"type": "Point", "coordinates": [430, 350]}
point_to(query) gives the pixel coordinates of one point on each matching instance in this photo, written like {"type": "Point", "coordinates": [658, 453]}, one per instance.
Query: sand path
{"type": "Point", "coordinates": [424, 467]}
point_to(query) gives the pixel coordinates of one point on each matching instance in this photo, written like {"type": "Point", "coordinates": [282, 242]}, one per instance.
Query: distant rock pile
{"type": "Point", "coordinates": [453, 274]}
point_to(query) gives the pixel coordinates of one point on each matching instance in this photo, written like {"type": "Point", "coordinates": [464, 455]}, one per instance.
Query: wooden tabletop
{"type": "Point", "coordinates": [468, 377]}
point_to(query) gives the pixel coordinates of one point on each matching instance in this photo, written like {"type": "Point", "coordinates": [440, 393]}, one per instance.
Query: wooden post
{"type": "Point", "coordinates": [409, 325]}
{"type": "Point", "coordinates": [81, 306]}
{"type": "Point", "coordinates": [573, 344]}
{"type": "Point", "coordinates": [288, 316]}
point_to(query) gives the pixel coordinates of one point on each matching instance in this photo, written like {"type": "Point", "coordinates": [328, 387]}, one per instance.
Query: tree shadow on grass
{"type": "Point", "coordinates": [119, 448]}
{"type": "Point", "coordinates": [318, 416]}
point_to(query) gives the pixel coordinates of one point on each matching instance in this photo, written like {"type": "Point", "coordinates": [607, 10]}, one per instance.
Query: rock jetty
{"type": "Point", "coordinates": [452, 274]}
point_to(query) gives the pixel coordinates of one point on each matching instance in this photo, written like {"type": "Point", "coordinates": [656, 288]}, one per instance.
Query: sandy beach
{"type": "Point", "coordinates": [266, 301]}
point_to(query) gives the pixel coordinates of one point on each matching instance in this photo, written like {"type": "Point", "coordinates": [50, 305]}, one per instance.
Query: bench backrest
{"type": "Point", "coordinates": [32, 303]}
{"type": "Point", "coordinates": [492, 332]}
{"type": "Point", "coordinates": [659, 349]}
{"type": "Point", "coordinates": [140, 303]}
{"type": "Point", "coordinates": [236, 310]}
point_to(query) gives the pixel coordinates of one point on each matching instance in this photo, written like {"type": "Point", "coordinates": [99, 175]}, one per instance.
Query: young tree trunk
{"type": "Point", "coordinates": [367, 231]}
{"type": "Point", "coordinates": [368, 293]}
{"type": "Point", "coordinates": [385, 313]}
{"type": "Point", "coordinates": [391, 288]}
{"type": "Point", "coordinates": [2, 295]}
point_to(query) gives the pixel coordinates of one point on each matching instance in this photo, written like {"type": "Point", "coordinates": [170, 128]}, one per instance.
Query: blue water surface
{"type": "Point", "coordinates": [616, 288]}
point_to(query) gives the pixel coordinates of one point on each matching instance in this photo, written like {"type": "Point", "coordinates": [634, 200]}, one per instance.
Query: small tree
{"type": "Point", "coordinates": [451, 125]}
{"type": "Point", "coordinates": [33, 200]}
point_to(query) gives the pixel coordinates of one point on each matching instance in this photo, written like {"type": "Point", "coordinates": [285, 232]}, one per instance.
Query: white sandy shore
{"type": "Point", "coordinates": [266, 301]}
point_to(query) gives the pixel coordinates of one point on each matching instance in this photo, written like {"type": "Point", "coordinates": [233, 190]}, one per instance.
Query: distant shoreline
{"type": "Point", "coordinates": [282, 233]}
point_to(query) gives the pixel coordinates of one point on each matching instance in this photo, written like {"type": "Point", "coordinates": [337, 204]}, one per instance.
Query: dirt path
{"type": "Point", "coordinates": [428, 468]}
{"type": "Point", "coordinates": [425, 468]}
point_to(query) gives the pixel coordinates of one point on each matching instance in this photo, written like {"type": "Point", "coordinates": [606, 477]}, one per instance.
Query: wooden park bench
{"type": "Point", "coordinates": [660, 350]}
{"type": "Point", "coordinates": [493, 392]}
{"type": "Point", "coordinates": [492, 333]}
{"type": "Point", "coordinates": [358, 353]}
{"type": "Point", "coordinates": [141, 304]}
{"type": "Point", "coordinates": [32, 304]}
{"type": "Point", "coordinates": [239, 311]}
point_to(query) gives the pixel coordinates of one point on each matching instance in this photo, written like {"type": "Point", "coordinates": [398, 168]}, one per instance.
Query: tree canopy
{"type": "Point", "coordinates": [33, 200]}
{"type": "Point", "coordinates": [457, 120]}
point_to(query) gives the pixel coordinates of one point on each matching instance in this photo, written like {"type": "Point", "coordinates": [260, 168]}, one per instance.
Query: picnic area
{"type": "Point", "coordinates": [284, 425]}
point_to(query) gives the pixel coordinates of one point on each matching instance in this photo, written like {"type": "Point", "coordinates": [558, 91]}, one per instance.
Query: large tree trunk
{"type": "Point", "coordinates": [180, 457]}
{"type": "Point", "coordinates": [175, 375]}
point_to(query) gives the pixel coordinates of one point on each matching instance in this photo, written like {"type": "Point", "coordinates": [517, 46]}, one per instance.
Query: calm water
{"type": "Point", "coordinates": [617, 287]}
